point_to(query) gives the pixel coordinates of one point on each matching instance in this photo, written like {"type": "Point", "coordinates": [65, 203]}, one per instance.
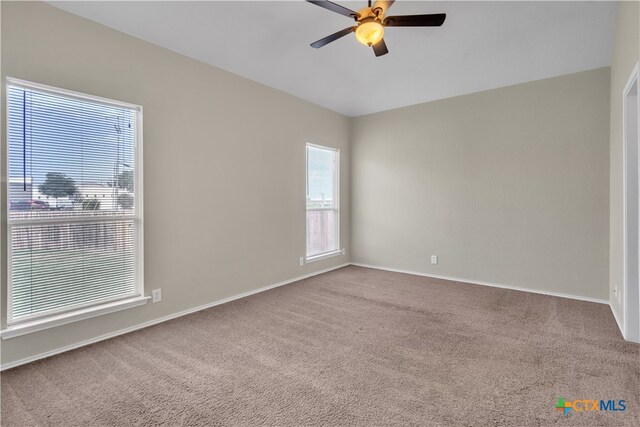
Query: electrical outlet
{"type": "Point", "coordinates": [434, 259]}
{"type": "Point", "coordinates": [344, 251]}
{"type": "Point", "coordinates": [301, 261]}
{"type": "Point", "coordinates": [156, 295]}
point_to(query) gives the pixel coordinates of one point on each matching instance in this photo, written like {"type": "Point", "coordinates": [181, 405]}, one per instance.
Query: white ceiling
{"type": "Point", "coordinates": [482, 45]}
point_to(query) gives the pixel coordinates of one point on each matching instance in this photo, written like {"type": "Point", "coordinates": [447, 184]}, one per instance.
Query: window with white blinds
{"type": "Point", "coordinates": [74, 201]}
{"type": "Point", "coordinates": [323, 217]}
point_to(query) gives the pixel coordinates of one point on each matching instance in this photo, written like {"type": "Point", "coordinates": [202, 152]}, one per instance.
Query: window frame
{"type": "Point", "coordinates": [336, 189]}
{"type": "Point", "coordinates": [63, 315]}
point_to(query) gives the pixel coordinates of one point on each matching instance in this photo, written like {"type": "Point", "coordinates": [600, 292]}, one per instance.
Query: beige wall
{"type": "Point", "coordinates": [508, 186]}
{"type": "Point", "coordinates": [227, 153]}
{"type": "Point", "coordinates": [626, 51]}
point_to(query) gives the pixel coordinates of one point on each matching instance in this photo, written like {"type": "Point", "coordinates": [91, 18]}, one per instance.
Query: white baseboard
{"type": "Point", "coordinates": [160, 320]}
{"type": "Point", "coordinates": [275, 285]}
{"type": "Point", "coordinates": [477, 282]}
{"type": "Point", "coordinates": [615, 316]}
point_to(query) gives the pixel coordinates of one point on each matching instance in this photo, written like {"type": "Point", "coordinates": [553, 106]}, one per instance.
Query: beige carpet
{"type": "Point", "coordinates": [352, 347]}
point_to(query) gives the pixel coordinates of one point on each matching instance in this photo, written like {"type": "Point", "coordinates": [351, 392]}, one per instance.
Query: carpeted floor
{"type": "Point", "coordinates": [355, 346]}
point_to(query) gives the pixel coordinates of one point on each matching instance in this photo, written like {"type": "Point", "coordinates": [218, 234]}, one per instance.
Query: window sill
{"type": "Point", "coordinates": [320, 257]}
{"type": "Point", "coordinates": [74, 316]}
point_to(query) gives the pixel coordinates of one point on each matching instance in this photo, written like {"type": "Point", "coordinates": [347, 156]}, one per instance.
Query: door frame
{"type": "Point", "coordinates": [631, 291]}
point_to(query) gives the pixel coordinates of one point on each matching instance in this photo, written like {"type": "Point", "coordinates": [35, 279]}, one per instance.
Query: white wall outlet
{"type": "Point", "coordinates": [301, 260]}
{"type": "Point", "coordinates": [156, 295]}
{"type": "Point", "coordinates": [434, 259]}
{"type": "Point", "coordinates": [344, 251]}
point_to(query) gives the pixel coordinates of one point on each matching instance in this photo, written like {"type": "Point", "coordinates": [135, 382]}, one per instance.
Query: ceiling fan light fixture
{"type": "Point", "coordinates": [369, 31]}
{"type": "Point", "coordinates": [371, 22]}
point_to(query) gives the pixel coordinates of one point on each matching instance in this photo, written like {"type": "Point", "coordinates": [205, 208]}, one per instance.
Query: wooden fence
{"type": "Point", "coordinates": [104, 234]}
{"type": "Point", "coordinates": [321, 237]}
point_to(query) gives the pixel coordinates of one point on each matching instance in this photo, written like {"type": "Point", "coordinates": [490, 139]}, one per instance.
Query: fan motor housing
{"type": "Point", "coordinates": [369, 12]}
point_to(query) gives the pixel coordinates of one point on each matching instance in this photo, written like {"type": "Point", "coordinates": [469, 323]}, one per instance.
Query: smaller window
{"type": "Point", "coordinates": [323, 215]}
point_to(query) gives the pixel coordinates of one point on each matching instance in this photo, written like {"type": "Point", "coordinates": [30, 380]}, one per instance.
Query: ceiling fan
{"type": "Point", "coordinates": [371, 22]}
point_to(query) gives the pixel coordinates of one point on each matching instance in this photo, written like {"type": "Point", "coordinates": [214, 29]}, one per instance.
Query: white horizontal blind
{"type": "Point", "coordinates": [74, 217]}
{"type": "Point", "coordinates": [322, 200]}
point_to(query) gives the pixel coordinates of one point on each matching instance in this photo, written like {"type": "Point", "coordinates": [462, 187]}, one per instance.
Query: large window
{"type": "Point", "coordinates": [323, 219]}
{"type": "Point", "coordinates": [74, 203]}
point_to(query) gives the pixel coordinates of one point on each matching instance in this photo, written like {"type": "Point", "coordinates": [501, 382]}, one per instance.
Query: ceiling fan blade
{"type": "Point", "coordinates": [332, 37]}
{"type": "Point", "coordinates": [334, 8]}
{"type": "Point", "coordinates": [433, 20]}
{"type": "Point", "coordinates": [383, 4]}
{"type": "Point", "coordinates": [380, 48]}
